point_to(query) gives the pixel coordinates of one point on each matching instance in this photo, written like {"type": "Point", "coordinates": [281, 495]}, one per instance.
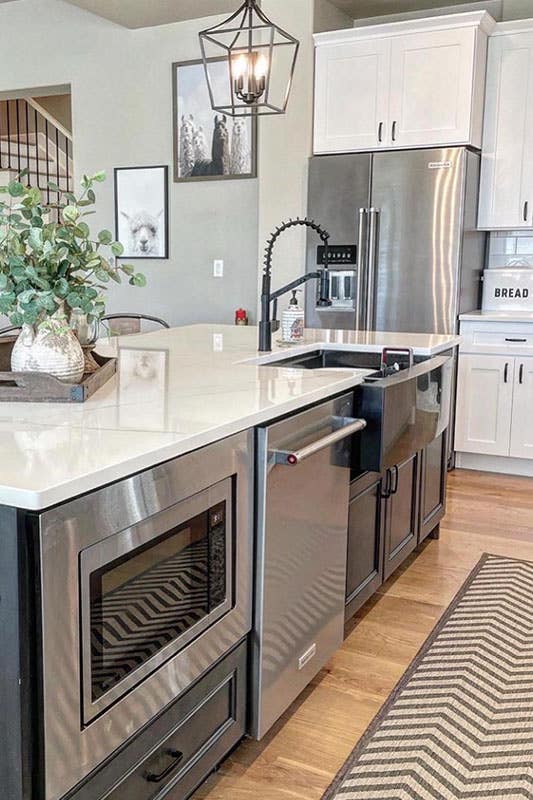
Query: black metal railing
{"type": "Point", "coordinates": [30, 141]}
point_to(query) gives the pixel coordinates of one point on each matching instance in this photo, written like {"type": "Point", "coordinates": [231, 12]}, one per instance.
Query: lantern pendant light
{"type": "Point", "coordinates": [261, 59]}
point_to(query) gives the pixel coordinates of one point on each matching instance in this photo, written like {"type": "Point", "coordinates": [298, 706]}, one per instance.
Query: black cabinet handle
{"type": "Point", "coordinates": [385, 494]}
{"type": "Point", "coordinates": [396, 480]}
{"type": "Point", "coordinates": [177, 758]}
{"type": "Point", "coordinates": [390, 487]}
{"type": "Point", "coordinates": [526, 207]}
{"type": "Point", "coordinates": [380, 132]}
{"type": "Point", "coordinates": [506, 373]}
{"type": "Point", "coordinates": [521, 375]}
{"type": "Point", "coordinates": [394, 131]}
{"type": "Point", "coordinates": [518, 341]}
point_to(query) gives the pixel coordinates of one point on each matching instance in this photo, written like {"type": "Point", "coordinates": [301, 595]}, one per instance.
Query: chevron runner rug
{"type": "Point", "coordinates": [460, 722]}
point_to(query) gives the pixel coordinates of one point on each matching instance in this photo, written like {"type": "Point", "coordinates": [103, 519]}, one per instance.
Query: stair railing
{"type": "Point", "coordinates": [31, 140]}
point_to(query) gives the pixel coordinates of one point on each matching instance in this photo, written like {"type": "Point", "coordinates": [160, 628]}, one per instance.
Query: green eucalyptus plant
{"type": "Point", "coordinates": [51, 267]}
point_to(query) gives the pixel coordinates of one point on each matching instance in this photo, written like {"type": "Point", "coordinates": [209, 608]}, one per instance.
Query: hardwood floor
{"type": "Point", "coordinates": [299, 758]}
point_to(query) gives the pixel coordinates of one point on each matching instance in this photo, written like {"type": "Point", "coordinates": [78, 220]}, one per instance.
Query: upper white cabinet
{"type": "Point", "coordinates": [405, 84]}
{"type": "Point", "coordinates": [352, 95]}
{"type": "Point", "coordinates": [506, 193]}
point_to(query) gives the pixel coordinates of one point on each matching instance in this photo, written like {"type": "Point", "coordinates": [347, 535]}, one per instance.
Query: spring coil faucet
{"type": "Point", "coordinates": [267, 325]}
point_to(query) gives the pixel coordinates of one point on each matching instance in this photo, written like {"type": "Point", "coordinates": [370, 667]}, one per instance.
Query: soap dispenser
{"type": "Point", "coordinates": [292, 322]}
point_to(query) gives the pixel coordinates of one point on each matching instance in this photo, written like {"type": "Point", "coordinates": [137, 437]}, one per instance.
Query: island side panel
{"type": "Point", "coordinates": [19, 683]}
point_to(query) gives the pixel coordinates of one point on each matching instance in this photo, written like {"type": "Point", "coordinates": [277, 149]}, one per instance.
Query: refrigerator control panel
{"type": "Point", "coordinates": [338, 254]}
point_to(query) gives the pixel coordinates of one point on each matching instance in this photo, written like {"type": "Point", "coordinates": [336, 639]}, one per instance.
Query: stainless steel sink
{"type": "Point", "coordinates": [406, 404]}
{"type": "Point", "coordinates": [343, 359]}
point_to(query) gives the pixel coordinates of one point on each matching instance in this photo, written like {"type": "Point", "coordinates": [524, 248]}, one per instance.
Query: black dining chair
{"type": "Point", "coordinates": [10, 330]}
{"type": "Point", "coordinates": [125, 324]}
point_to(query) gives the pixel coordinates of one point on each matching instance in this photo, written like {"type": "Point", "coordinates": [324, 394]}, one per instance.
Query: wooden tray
{"type": "Point", "coordinates": [36, 387]}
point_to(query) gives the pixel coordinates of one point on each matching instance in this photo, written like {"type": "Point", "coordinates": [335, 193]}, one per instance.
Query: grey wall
{"type": "Point", "coordinates": [330, 18]}
{"type": "Point", "coordinates": [122, 116]}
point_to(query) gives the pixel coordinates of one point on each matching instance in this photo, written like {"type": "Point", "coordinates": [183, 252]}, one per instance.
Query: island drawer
{"type": "Point", "coordinates": [182, 746]}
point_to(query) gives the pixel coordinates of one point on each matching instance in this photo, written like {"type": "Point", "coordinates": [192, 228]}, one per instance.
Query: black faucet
{"type": "Point", "coordinates": [267, 325]}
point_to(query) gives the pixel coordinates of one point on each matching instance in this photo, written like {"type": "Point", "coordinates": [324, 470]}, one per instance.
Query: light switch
{"type": "Point", "coordinates": [218, 268]}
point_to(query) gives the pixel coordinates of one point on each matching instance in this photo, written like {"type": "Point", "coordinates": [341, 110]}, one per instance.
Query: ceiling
{"type": "Point", "coordinates": [144, 13]}
{"type": "Point", "coordinates": [374, 8]}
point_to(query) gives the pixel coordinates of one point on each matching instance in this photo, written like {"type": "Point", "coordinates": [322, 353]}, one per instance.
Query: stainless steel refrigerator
{"type": "Point", "coordinates": [405, 253]}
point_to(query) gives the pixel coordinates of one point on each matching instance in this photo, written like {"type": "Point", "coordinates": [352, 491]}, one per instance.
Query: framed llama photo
{"type": "Point", "coordinates": [209, 145]}
{"type": "Point", "coordinates": [141, 211]}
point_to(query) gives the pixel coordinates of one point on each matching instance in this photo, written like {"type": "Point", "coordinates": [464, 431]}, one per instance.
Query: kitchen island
{"type": "Point", "coordinates": [206, 383]}
{"type": "Point", "coordinates": [189, 518]}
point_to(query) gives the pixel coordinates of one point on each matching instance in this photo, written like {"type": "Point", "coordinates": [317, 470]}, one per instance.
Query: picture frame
{"type": "Point", "coordinates": [143, 373]}
{"type": "Point", "coordinates": [199, 133]}
{"type": "Point", "coordinates": [142, 211]}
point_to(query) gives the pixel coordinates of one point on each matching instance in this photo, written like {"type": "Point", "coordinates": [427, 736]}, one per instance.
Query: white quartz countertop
{"type": "Point", "coordinates": [175, 391]}
{"type": "Point", "coordinates": [497, 316]}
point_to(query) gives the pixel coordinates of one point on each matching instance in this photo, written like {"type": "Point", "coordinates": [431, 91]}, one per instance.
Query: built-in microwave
{"type": "Point", "coordinates": [149, 590]}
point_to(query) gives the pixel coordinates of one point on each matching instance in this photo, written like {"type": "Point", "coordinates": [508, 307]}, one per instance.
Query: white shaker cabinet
{"type": "Point", "coordinates": [494, 414]}
{"type": "Point", "coordinates": [431, 88]}
{"type": "Point", "coordinates": [522, 421]}
{"type": "Point", "coordinates": [352, 96]}
{"type": "Point", "coordinates": [409, 84]}
{"type": "Point", "coordinates": [506, 192]}
{"type": "Point", "coordinates": [484, 404]}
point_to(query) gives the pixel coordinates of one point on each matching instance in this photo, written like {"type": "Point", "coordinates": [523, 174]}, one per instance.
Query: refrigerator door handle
{"type": "Point", "coordinates": [373, 214]}
{"type": "Point", "coordinates": [361, 269]}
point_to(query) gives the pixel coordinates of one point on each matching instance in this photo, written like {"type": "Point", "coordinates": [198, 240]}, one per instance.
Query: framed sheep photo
{"type": "Point", "coordinates": [141, 211]}
{"type": "Point", "coordinates": [209, 145]}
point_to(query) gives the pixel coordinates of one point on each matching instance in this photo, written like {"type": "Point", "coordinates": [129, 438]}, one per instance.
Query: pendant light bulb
{"type": "Point", "coordinates": [261, 66]}
{"type": "Point", "coordinates": [239, 66]}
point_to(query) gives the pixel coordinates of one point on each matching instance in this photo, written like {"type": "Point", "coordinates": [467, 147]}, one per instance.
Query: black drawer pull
{"type": "Point", "coordinates": [518, 341]}
{"type": "Point", "coordinates": [177, 757]}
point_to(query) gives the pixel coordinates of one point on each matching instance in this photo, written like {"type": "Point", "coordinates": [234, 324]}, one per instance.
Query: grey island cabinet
{"type": "Point", "coordinates": [391, 514]}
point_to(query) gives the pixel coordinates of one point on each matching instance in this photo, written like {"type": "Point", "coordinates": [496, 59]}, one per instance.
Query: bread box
{"type": "Point", "coordinates": [508, 289]}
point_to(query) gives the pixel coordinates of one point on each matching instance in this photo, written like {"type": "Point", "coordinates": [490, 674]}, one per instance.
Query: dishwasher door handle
{"type": "Point", "coordinates": [290, 458]}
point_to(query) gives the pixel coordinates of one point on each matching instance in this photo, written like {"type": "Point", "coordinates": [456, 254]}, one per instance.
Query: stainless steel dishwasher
{"type": "Point", "coordinates": [303, 475]}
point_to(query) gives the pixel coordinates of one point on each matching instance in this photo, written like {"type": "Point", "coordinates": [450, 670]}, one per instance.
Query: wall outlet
{"type": "Point", "coordinates": [218, 342]}
{"type": "Point", "coordinates": [218, 268]}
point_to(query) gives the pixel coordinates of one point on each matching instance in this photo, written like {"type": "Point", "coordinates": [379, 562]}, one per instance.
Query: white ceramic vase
{"type": "Point", "coordinates": [51, 348]}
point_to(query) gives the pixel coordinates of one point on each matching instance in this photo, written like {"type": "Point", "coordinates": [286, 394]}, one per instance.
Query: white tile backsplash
{"type": "Point", "coordinates": [510, 249]}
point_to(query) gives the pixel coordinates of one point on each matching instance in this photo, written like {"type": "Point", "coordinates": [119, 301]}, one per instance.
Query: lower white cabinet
{"type": "Point", "coordinates": [522, 419]}
{"type": "Point", "coordinates": [494, 405]}
{"type": "Point", "coordinates": [484, 404]}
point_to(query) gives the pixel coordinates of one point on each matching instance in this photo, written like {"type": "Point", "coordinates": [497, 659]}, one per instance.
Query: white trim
{"type": "Point", "coordinates": [479, 19]}
{"type": "Point", "coordinates": [513, 26]}
{"type": "Point", "coordinates": [499, 464]}
{"type": "Point", "coordinates": [31, 101]}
